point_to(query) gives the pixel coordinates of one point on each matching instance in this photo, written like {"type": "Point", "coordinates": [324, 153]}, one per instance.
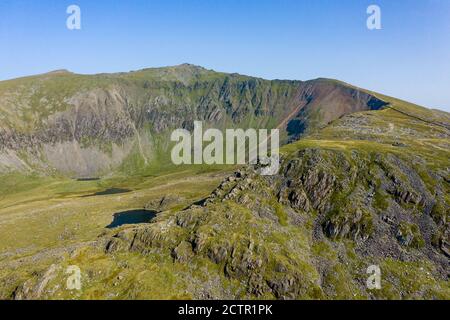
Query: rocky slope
{"type": "Point", "coordinates": [84, 125]}
{"type": "Point", "coordinates": [336, 207]}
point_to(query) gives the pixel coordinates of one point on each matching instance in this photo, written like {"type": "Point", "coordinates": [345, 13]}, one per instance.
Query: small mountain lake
{"type": "Point", "coordinates": [131, 217]}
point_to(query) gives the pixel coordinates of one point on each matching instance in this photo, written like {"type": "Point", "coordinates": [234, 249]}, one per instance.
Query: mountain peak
{"type": "Point", "coordinates": [59, 71]}
{"type": "Point", "coordinates": [189, 65]}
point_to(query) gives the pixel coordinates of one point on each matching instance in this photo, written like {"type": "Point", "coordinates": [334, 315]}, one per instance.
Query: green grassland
{"type": "Point", "coordinates": [44, 219]}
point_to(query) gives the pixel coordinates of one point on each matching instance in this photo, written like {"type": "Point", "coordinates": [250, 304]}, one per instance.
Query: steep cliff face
{"type": "Point", "coordinates": [91, 125]}
{"type": "Point", "coordinates": [336, 207]}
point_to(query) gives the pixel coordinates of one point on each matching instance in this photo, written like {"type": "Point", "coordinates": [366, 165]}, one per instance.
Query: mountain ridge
{"type": "Point", "coordinates": [105, 116]}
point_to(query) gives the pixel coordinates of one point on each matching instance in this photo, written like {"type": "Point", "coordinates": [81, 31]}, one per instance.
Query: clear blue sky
{"type": "Point", "coordinates": [409, 58]}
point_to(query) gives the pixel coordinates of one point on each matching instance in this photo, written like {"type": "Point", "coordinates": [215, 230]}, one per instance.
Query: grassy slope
{"type": "Point", "coordinates": [44, 219]}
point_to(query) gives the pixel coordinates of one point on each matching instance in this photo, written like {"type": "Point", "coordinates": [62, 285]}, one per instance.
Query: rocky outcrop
{"type": "Point", "coordinates": [312, 188]}
{"type": "Point", "coordinates": [306, 232]}
{"type": "Point", "coordinates": [163, 204]}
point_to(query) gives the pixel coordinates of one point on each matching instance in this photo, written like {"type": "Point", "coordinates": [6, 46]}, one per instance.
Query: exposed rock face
{"type": "Point", "coordinates": [336, 100]}
{"type": "Point", "coordinates": [165, 203]}
{"type": "Point", "coordinates": [30, 290]}
{"type": "Point", "coordinates": [90, 125]}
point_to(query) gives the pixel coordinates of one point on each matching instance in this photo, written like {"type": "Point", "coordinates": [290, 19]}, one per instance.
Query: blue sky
{"type": "Point", "coordinates": [279, 39]}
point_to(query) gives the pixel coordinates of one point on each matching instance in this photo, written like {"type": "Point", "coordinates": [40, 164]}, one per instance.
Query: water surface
{"type": "Point", "coordinates": [131, 217]}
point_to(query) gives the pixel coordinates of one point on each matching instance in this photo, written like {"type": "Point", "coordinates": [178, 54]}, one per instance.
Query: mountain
{"type": "Point", "coordinates": [82, 125]}
{"type": "Point", "coordinates": [364, 182]}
